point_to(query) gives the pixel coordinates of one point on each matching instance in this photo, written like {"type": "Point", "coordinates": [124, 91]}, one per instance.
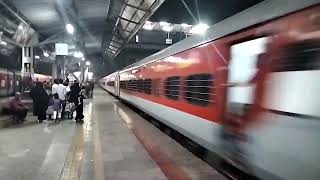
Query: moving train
{"type": "Point", "coordinates": [257, 72]}
{"type": "Point", "coordinates": [10, 81]}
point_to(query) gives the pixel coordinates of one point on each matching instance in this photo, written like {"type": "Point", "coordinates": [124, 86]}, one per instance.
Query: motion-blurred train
{"type": "Point", "coordinates": [10, 81]}
{"type": "Point", "coordinates": [257, 73]}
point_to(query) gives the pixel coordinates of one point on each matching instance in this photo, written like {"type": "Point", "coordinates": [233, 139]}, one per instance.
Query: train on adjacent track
{"type": "Point", "coordinates": [11, 81]}
{"type": "Point", "coordinates": [257, 73]}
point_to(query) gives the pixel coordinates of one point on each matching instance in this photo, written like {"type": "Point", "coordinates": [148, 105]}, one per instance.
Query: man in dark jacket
{"type": "Point", "coordinates": [77, 99]}
{"type": "Point", "coordinates": [40, 101]}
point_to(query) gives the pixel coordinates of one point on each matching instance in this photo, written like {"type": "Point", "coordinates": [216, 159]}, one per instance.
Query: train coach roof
{"type": "Point", "coordinates": [261, 12]}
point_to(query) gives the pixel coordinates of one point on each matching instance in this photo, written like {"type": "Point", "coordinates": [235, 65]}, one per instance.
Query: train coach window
{"type": "Point", "coordinates": [123, 84]}
{"type": "Point", "coordinates": [132, 85]}
{"type": "Point", "coordinates": [140, 85]}
{"type": "Point", "coordinates": [197, 89]}
{"type": "Point", "coordinates": [172, 87]}
{"type": "Point", "coordinates": [147, 86]}
{"type": "Point", "coordinates": [110, 83]}
{"type": "Point", "coordinates": [300, 56]}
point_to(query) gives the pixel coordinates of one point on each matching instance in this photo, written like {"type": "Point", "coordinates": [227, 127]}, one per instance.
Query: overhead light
{"type": "Point", "coordinates": [88, 63]}
{"type": "Point", "coordinates": [78, 54]}
{"type": "Point", "coordinates": [3, 43]}
{"type": "Point", "coordinates": [83, 59]}
{"type": "Point", "coordinates": [199, 29]}
{"type": "Point", "coordinates": [148, 25]}
{"type": "Point", "coordinates": [184, 25]}
{"type": "Point", "coordinates": [167, 28]}
{"type": "Point", "coordinates": [46, 54]}
{"type": "Point", "coordinates": [162, 23]}
{"type": "Point", "coordinates": [70, 28]}
{"type": "Point", "coordinates": [37, 57]}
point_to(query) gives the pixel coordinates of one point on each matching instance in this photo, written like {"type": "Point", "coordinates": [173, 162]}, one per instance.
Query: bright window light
{"type": "Point", "coordinates": [78, 54]}
{"type": "Point", "coordinates": [148, 25]}
{"type": "Point", "coordinates": [199, 29]}
{"type": "Point", "coordinates": [167, 28]}
{"type": "Point", "coordinates": [162, 23]}
{"type": "Point", "coordinates": [70, 28]}
{"type": "Point", "coordinates": [83, 59]}
{"type": "Point", "coordinates": [88, 63]}
{"type": "Point", "coordinates": [37, 57]}
{"type": "Point", "coordinates": [46, 54]}
{"type": "Point", "coordinates": [3, 43]}
{"type": "Point", "coordinates": [184, 25]}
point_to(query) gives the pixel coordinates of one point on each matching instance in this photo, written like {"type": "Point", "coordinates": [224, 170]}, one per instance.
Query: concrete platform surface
{"type": "Point", "coordinates": [113, 143]}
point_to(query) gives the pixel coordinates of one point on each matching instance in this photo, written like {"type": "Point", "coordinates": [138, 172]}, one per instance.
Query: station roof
{"type": "Point", "coordinates": [102, 24]}
{"type": "Point", "coordinates": [193, 11]}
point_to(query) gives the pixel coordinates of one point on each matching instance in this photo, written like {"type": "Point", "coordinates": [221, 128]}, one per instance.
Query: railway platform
{"type": "Point", "coordinates": [113, 143]}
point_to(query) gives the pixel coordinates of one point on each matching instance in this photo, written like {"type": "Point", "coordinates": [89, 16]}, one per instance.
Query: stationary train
{"type": "Point", "coordinates": [259, 70]}
{"type": "Point", "coordinates": [10, 81]}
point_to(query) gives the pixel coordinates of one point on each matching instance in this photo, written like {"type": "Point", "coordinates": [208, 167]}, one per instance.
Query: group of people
{"type": "Point", "coordinates": [63, 100]}
{"type": "Point", "coordinates": [51, 102]}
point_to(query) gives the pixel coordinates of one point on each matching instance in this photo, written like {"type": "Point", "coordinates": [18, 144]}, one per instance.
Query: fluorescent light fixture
{"type": "Point", "coordinates": [167, 28]}
{"type": "Point", "coordinates": [88, 63]}
{"type": "Point", "coordinates": [148, 25]}
{"type": "Point", "coordinates": [199, 29]}
{"type": "Point", "coordinates": [70, 28]}
{"type": "Point", "coordinates": [3, 43]}
{"type": "Point", "coordinates": [46, 54]}
{"type": "Point", "coordinates": [78, 54]}
{"type": "Point", "coordinates": [184, 25]}
{"type": "Point", "coordinates": [137, 38]}
{"type": "Point", "coordinates": [37, 57]}
{"type": "Point", "coordinates": [162, 23]}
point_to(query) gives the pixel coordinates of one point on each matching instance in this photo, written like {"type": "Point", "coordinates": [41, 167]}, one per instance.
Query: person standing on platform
{"type": "Point", "coordinates": [40, 101]}
{"type": "Point", "coordinates": [91, 85]}
{"type": "Point", "coordinates": [61, 91]}
{"type": "Point", "coordinates": [74, 95]}
{"type": "Point", "coordinates": [57, 106]}
{"type": "Point", "coordinates": [54, 86]}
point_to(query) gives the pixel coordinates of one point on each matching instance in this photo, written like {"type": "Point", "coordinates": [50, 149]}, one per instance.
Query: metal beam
{"type": "Point", "coordinates": [13, 12]}
{"type": "Point", "coordinates": [51, 39]}
{"type": "Point", "coordinates": [136, 7]}
{"type": "Point", "coordinates": [121, 29]}
{"type": "Point", "coordinates": [146, 46]}
{"type": "Point", "coordinates": [128, 20]}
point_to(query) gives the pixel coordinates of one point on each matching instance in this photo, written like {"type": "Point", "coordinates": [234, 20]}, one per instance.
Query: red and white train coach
{"type": "Point", "coordinates": [260, 67]}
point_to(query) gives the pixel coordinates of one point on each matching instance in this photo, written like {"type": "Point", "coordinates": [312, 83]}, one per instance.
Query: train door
{"type": "Point", "coordinates": [117, 85]}
{"type": "Point", "coordinates": [242, 72]}
{"type": "Point", "coordinates": [243, 69]}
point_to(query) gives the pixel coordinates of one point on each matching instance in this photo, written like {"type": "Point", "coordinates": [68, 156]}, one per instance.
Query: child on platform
{"type": "Point", "coordinates": [57, 106]}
